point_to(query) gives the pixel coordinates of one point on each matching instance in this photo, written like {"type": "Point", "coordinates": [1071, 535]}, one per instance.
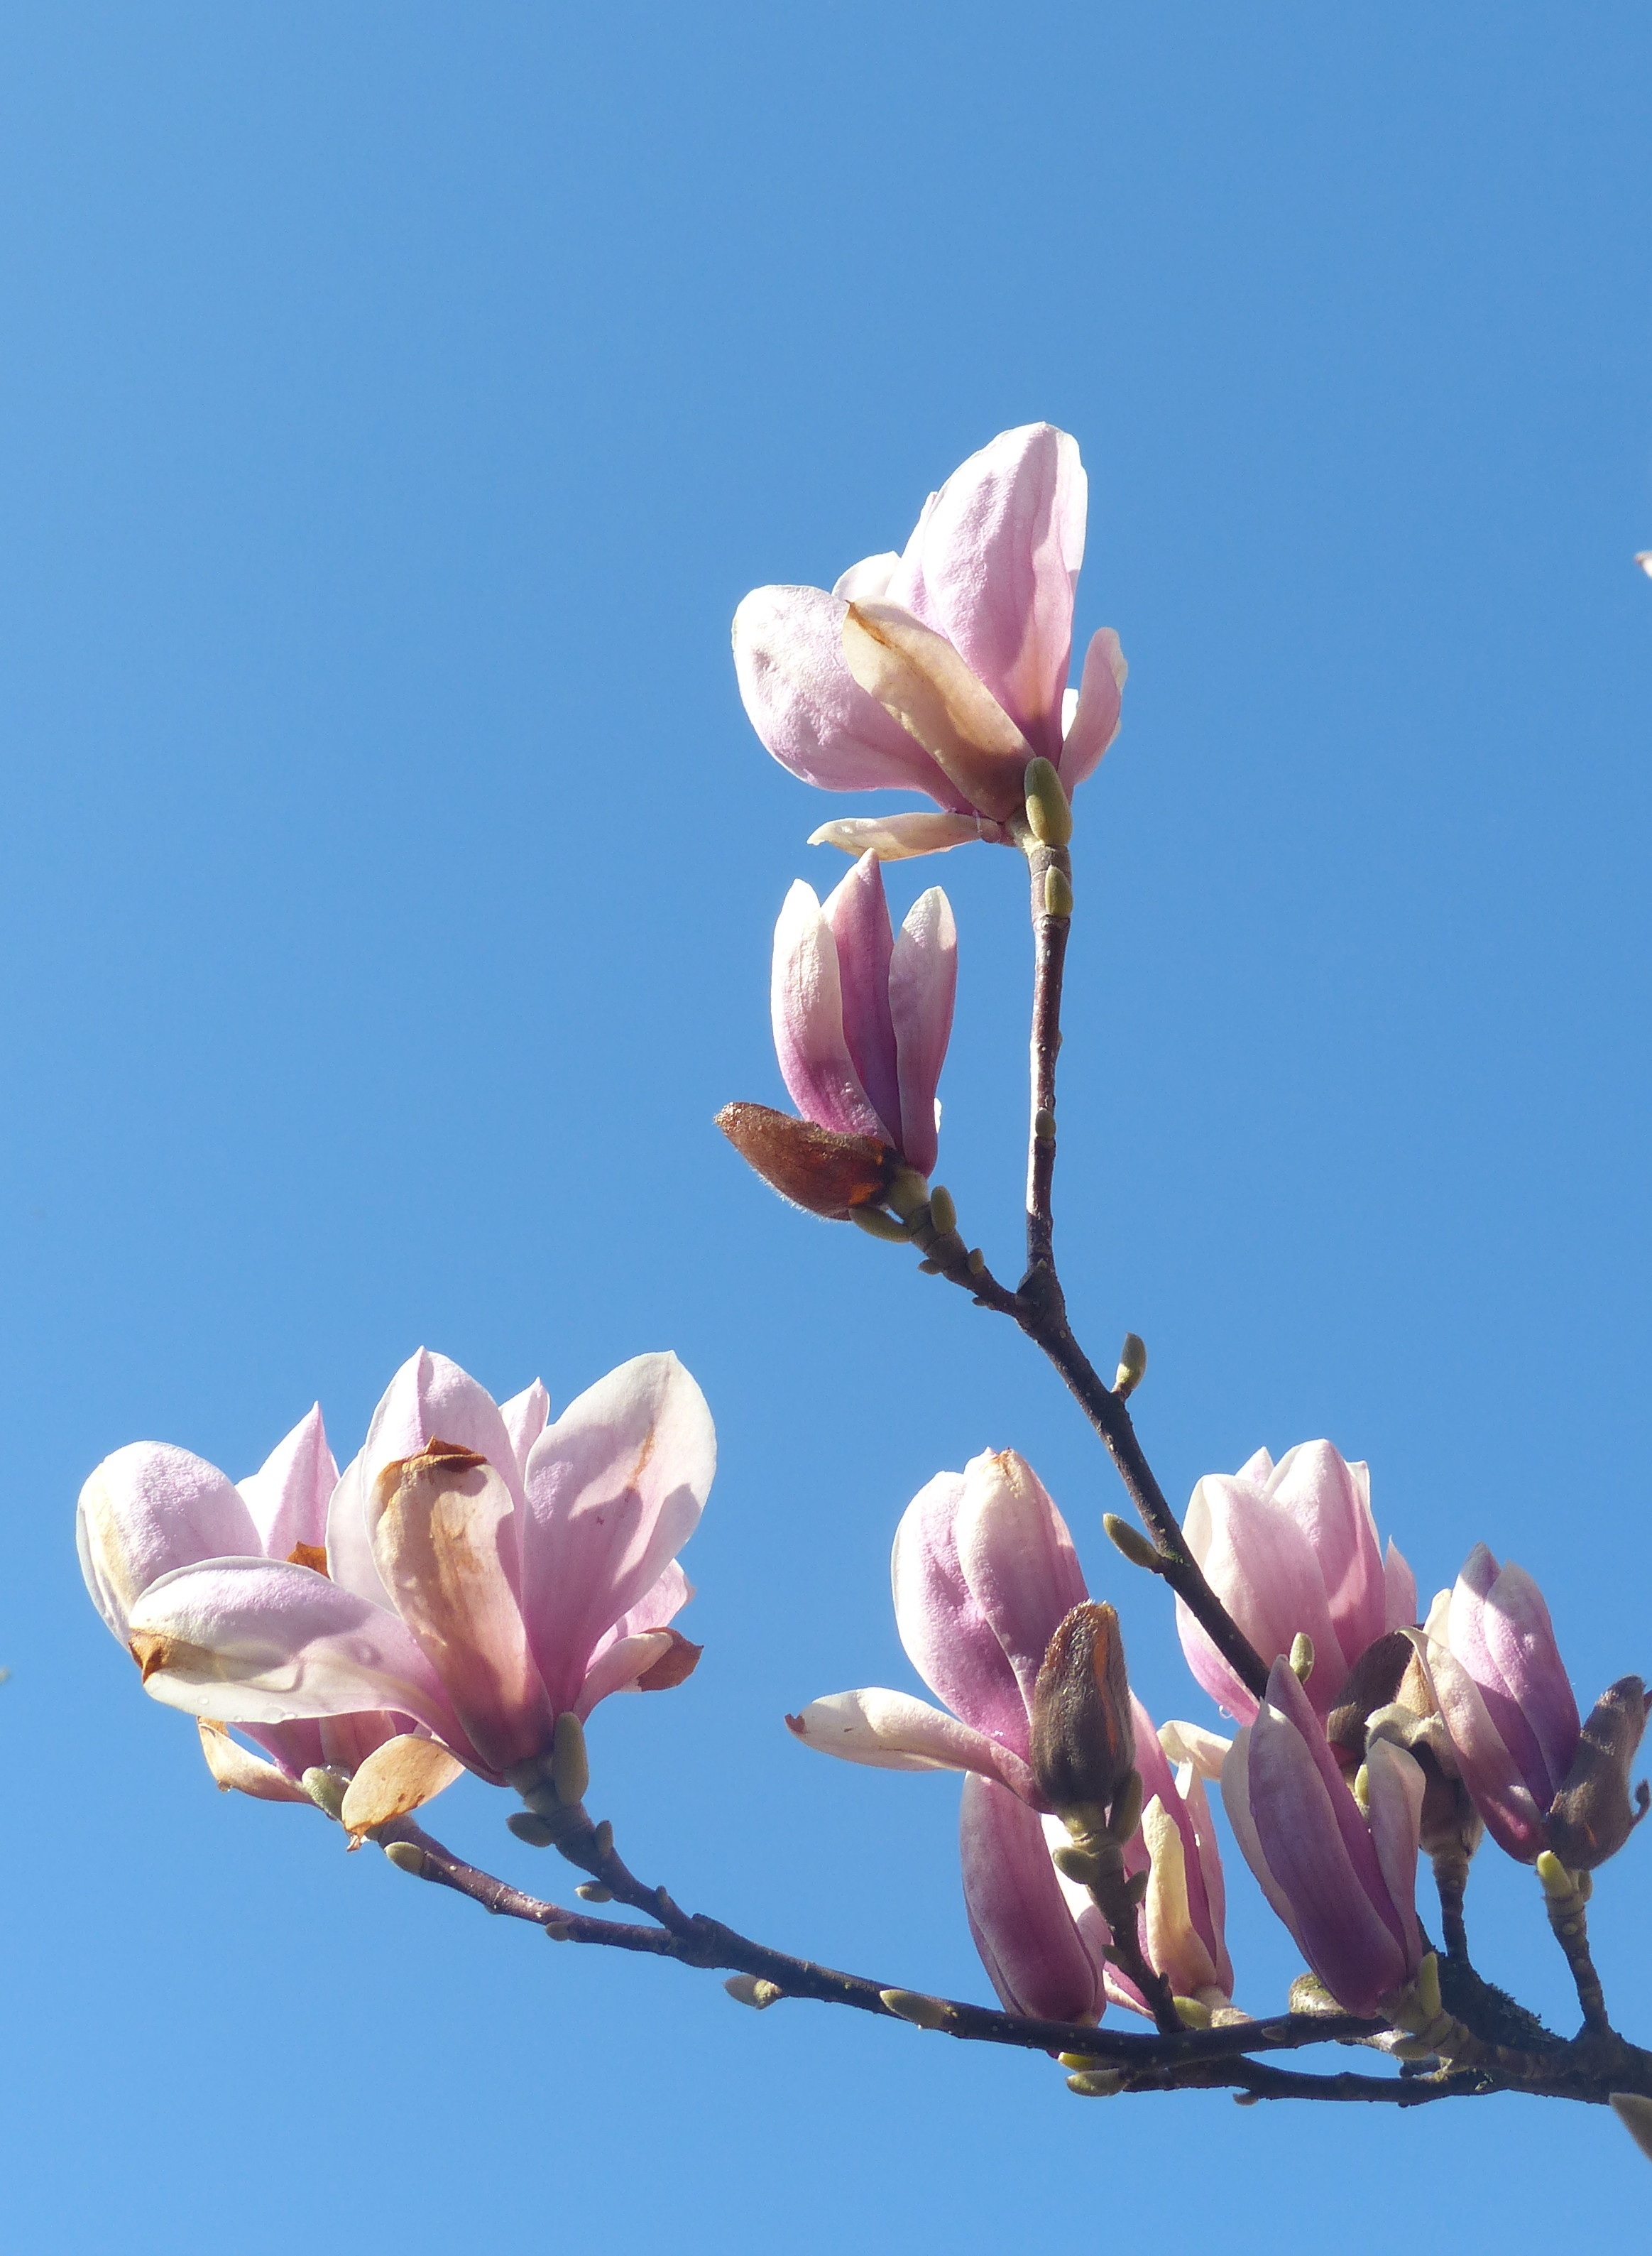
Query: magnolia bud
{"type": "Point", "coordinates": [1590, 1819]}
{"type": "Point", "coordinates": [1136, 1548]}
{"type": "Point", "coordinates": [1132, 1365]}
{"type": "Point", "coordinates": [570, 1767]}
{"type": "Point", "coordinates": [1083, 1740]}
{"type": "Point", "coordinates": [1057, 893]}
{"type": "Point", "coordinates": [912, 2006]}
{"type": "Point", "coordinates": [1048, 814]}
{"type": "Point", "coordinates": [1302, 1656]}
{"type": "Point", "coordinates": [816, 1168]}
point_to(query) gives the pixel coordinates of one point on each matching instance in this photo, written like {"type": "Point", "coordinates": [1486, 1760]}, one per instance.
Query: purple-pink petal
{"type": "Point", "coordinates": [1095, 716]}
{"type": "Point", "coordinates": [615, 1487]}
{"type": "Point", "coordinates": [858, 914]}
{"type": "Point", "coordinates": [923, 986]}
{"type": "Point", "coordinates": [993, 564]}
{"type": "Point", "coordinates": [1017, 1914]}
{"type": "Point", "coordinates": [1329, 1499]}
{"type": "Point", "coordinates": [810, 712]}
{"type": "Point", "coordinates": [288, 1495]}
{"type": "Point", "coordinates": [947, 1638]}
{"type": "Point", "coordinates": [147, 1510]}
{"type": "Point", "coordinates": [1017, 1558]}
{"type": "Point", "coordinates": [806, 1007]}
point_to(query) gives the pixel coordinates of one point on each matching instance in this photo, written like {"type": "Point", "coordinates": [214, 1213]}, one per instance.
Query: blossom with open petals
{"type": "Point", "coordinates": [943, 670]}
{"type": "Point", "coordinates": [985, 1575]}
{"type": "Point", "coordinates": [485, 1571]}
{"type": "Point", "coordinates": [1288, 1548]}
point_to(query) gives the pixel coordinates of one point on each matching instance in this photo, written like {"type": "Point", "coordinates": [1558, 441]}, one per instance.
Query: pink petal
{"type": "Point", "coordinates": [1470, 1635]}
{"type": "Point", "coordinates": [947, 1638]}
{"type": "Point", "coordinates": [807, 708]}
{"type": "Point", "coordinates": [346, 1741]}
{"type": "Point", "coordinates": [1017, 1914]}
{"type": "Point", "coordinates": [1236, 1800]}
{"type": "Point", "coordinates": [891, 1731]}
{"type": "Point", "coordinates": [1311, 1851]}
{"type": "Point", "coordinates": [1017, 1558]}
{"type": "Point", "coordinates": [349, 1549]}
{"type": "Point", "coordinates": [922, 984]}
{"type": "Point", "coordinates": [431, 1399]}
{"type": "Point", "coordinates": [1494, 1779]}
{"type": "Point", "coordinates": [445, 1536]}
{"type": "Point", "coordinates": [616, 1488]}
{"type": "Point", "coordinates": [1096, 715]}
{"type": "Point", "coordinates": [1521, 1638]}
{"type": "Point", "coordinates": [1399, 1590]}
{"type": "Point", "coordinates": [147, 1510]}
{"type": "Point", "coordinates": [1395, 1785]}
{"type": "Point", "coordinates": [618, 1665]}
{"type": "Point", "coordinates": [289, 1494]}
{"type": "Point", "coordinates": [993, 565]}
{"type": "Point", "coordinates": [896, 837]}
{"type": "Point", "coordinates": [859, 916]}
{"type": "Point", "coordinates": [807, 1006]}
{"type": "Point", "coordinates": [256, 1641]}
{"type": "Point", "coordinates": [868, 581]}
{"type": "Point", "coordinates": [525, 1417]}
{"type": "Point", "coordinates": [1330, 1501]}
{"type": "Point", "coordinates": [1261, 1566]}
{"type": "Point", "coordinates": [921, 682]}
{"type": "Point", "coordinates": [1159, 1784]}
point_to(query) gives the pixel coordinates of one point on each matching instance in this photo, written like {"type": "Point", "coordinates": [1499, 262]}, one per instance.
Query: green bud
{"type": "Point", "coordinates": [1080, 1864]}
{"type": "Point", "coordinates": [1097, 2084]}
{"type": "Point", "coordinates": [1132, 1366]}
{"type": "Point", "coordinates": [602, 1838]}
{"type": "Point", "coordinates": [570, 1766]}
{"type": "Point", "coordinates": [1302, 1656]}
{"type": "Point", "coordinates": [1126, 1813]}
{"type": "Point", "coordinates": [911, 2005]}
{"type": "Point", "coordinates": [1057, 893]}
{"type": "Point", "coordinates": [977, 1261]}
{"type": "Point", "coordinates": [527, 1825]}
{"type": "Point", "coordinates": [326, 1788]}
{"type": "Point", "coordinates": [876, 1224]}
{"type": "Point", "coordinates": [1044, 1127]}
{"type": "Point", "coordinates": [1192, 2012]}
{"type": "Point", "coordinates": [1136, 1886]}
{"type": "Point", "coordinates": [908, 1193]}
{"type": "Point", "coordinates": [557, 1929]}
{"type": "Point", "coordinates": [943, 1213]}
{"type": "Point", "coordinates": [751, 1990]}
{"type": "Point", "coordinates": [406, 1857]}
{"type": "Point", "coordinates": [593, 1892]}
{"type": "Point", "coordinates": [1558, 1883]}
{"type": "Point", "coordinates": [1136, 1548]}
{"type": "Point", "coordinates": [1048, 814]}
{"type": "Point", "coordinates": [1085, 2062]}
{"type": "Point", "coordinates": [1427, 1987]}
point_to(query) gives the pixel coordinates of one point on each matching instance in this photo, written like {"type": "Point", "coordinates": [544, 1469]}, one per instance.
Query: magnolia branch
{"type": "Point", "coordinates": [1105, 2061]}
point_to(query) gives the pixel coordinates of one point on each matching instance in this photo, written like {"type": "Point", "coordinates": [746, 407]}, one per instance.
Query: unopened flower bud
{"type": "Point", "coordinates": [1591, 1818]}
{"type": "Point", "coordinates": [1132, 1365]}
{"type": "Point", "coordinates": [1139, 1549]}
{"type": "Point", "coordinates": [1048, 814]}
{"type": "Point", "coordinates": [820, 1169]}
{"type": "Point", "coordinates": [1083, 1740]}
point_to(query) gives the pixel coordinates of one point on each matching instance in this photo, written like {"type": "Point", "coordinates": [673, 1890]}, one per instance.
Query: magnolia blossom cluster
{"type": "Point", "coordinates": [481, 1575]}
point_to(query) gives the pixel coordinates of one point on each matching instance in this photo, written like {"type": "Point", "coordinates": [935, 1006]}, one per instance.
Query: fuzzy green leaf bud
{"type": "Point", "coordinates": [1057, 893]}
{"type": "Point", "coordinates": [1132, 1365]}
{"type": "Point", "coordinates": [1302, 1656]}
{"type": "Point", "coordinates": [570, 1766]}
{"type": "Point", "coordinates": [943, 1212]}
{"type": "Point", "coordinates": [751, 1990]}
{"type": "Point", "coordinates": [407, 1856]}
{"type": "Point", "coordinates": [1049, 812]}
{"type": "Point", "coordinates": [1138, 1548]}
{"type": "Point", "coordinates": [912, 2006]}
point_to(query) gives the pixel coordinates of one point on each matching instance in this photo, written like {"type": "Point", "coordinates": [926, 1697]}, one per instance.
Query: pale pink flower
{"type": "Point", "coordinates": [150, 1509]}
{"type": "Point", "coordinates": [942, 670]}
{"type": "Point", "coordinates": [984, 1574]}
{"type": "Point", "coordinates": [1344, 1881]}
{"type": "Point", "coordinates": [862, 1014]}
{"type": "Point", "coordinates": [481, 1576]}
{"type": "Point", "coordinates": [1288, 1548]}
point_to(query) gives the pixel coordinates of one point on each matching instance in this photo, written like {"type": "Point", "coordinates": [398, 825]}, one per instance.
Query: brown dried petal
{"type": "Point", "coordinates": [1591, 1818]}
{"type": "Point", "coordinates": [673, 1666]}
{"type": "Point", "coordinates": [820, 1169]}
{"type": "Point", "coordinates": [1083, 1740]}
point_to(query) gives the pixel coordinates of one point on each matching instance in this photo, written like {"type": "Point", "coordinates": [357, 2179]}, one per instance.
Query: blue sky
{"type": "Point", "coordinates": [394, 404]}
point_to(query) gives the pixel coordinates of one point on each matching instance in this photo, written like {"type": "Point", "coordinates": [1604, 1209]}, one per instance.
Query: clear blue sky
{"type": "Point", "coordinates": [395, 401]}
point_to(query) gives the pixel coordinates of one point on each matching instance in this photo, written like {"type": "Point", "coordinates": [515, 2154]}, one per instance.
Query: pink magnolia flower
{"type": "Point", "coordinates": [150, 1510]}
{"type": "Point", "coordinates": [1289, 1548]}
{"type": "Point", "coordinates": [984, 1574]}
{"type": "Point", "coordinates": [942, 670]}
{"type": "Point", "coordinates": [1539, 1777]}
{"type": "Point", "coordinates": [863, 1015]}
{"type": "Point", "coordinates": [485, 1571]}
{"type": "Point", "coordinates": [1344, 1881]}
